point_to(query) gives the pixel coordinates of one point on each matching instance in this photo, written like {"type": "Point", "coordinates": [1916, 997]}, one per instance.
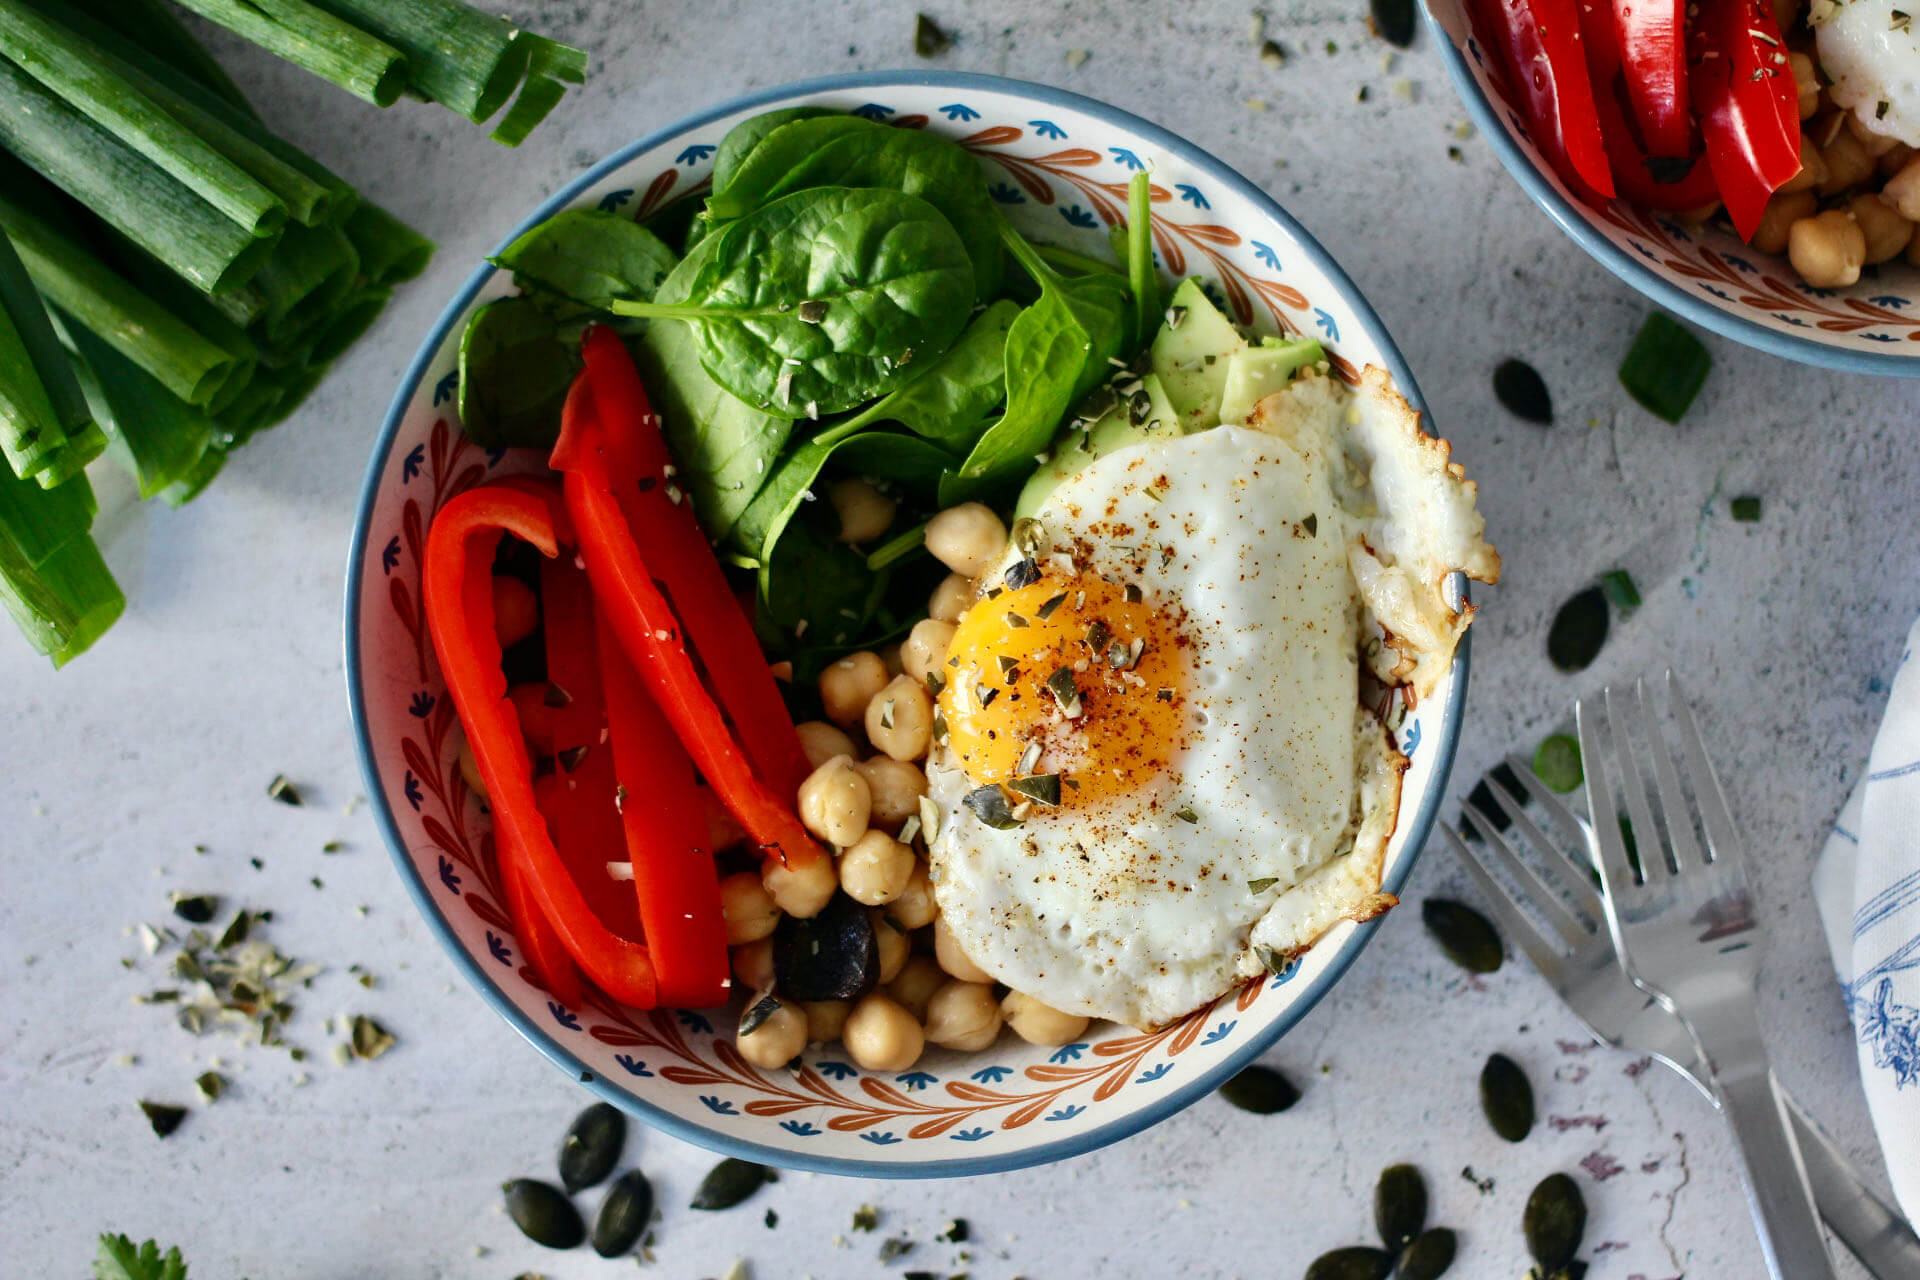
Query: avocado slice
{"type": "Point", "coordinates": [1115, 429]}
{"type": "Point", "coordinates": [1258, 372]}
{"type": "Point", "coordinates": [1190, 356]}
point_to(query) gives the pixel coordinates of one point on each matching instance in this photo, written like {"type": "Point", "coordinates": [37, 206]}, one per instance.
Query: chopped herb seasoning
{"type": "Point", "coordinates": [1666, 367]}
{"type": "Point", "coordinates": [1272, 961]}
{"type": "Point", "coordinates": [957, 1232]}
{"type": "Point", "coordinates": [211, 1084]}
{"type": "Point", "coordinates": [235, 933]}
{"type": "Point", "coordinates": [570, 758]}
{"type": "Point", "coordinates": [282, 790]}
{"type": "Point", "coordinates": [1065, 692]}
{"type": "Point", "coordinates": [812, 311]}
{"type": "Point", "coordinates": [866, 1218]}
{"type": "Point", "coordinates": [895, 1247]}
{"type": "Point", "coordinates": [163, 1117]}
{"type": "Point", "coordinates": [1046, 609]}
{"type": "Point", "coordinates": [1097, 635]}
{"type": "Point", "coordinates": [1044, 787]}
{"type": "Point", "coordinates": [368, 1038]}
{"type": "Point", "coordinates": [1022, 573]}
{"type": "Point", "coordinates": [990, 805]}
{"type": "Point", "coordinates": [1186, 815]}
{"type": "Point", "coordinates": [1132, 593]}
{"type": "Point", "coordinates": [1311, 524]}
{"type": "Point", "coordinates": [1620, 589]}
{"type": "Point", "coordinates": [1274, 56]}
{"type": "Point", "coordinates": [1263, 884]}
{"type": "Point", "coordinates": [929, 41]}
{"type": "Point", "coordinates": [1900, 20]}
{"type": "Point", "coordinates": [195, 908]}
{"type": "Point", "coordinates": [1746, 509]}
{"type": "Point", "coordinates": [1015, 620]}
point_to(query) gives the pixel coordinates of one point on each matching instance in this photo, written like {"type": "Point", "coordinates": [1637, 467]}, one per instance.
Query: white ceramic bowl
{"type": "Point", "coordinates": [1059, 164]}
{"type": "Point", "coordinates": [1704, 274]}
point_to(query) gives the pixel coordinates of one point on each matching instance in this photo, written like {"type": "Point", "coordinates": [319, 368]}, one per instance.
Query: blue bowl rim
{"type": "Point", "coordinates": [699, 1134]}
{"type": "Point", "coordinates": [1630, 269]}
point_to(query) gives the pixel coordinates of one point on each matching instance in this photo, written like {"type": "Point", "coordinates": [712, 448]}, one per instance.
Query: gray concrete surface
{"type": "Point", "coordinates": [227, 670]}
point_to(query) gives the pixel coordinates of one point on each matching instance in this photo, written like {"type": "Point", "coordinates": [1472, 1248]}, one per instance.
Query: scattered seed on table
{"type": "Point", "coordinates": [1746, 508]}
{"type": "Point", "coordinates": [1399, 1205]}
{"type": "Point", "coordinates": [1463, 933]}
{"type": "Point", "coordinates": [164, 1117]}
{"type": "Point", "coordinates": [1393, 21]}
{"type": "Point", "coordinates": [1555, 1219]}
{"type": "Point", "coordinates": [929, 41]}
{"type": "Point", "coordinates": [1428, 1257]}
{"type": "Point", "coordinates": [728, 1183]}
{"type": "Point", "coordinates": [623, 1214]}
{"type": "Point", "coordinates": [1261, 1090]}
{"type": "Point", "coordinates": [1579, 630]}
{"type": "Point", "coordinates": [1519, 386]}
{"type": "Point", "coordinates": [1506, 1095]}
{"type": "Point", "coordinates": [592, 1146]}
{"type": "Point", "coordinates": [1355, 1262]}
{"type": "Point", "coordinates": [544, 1214]}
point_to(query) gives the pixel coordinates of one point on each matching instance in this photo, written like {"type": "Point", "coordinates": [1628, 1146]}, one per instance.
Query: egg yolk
{"type": "Point", "coordinates": [1078, 677]}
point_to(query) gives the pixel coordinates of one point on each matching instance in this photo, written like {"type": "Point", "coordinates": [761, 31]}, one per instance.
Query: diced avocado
{"type": "Point", "coordinates": [1258, 372]}
{"type": "Point", "coordinates": [1115, 429]}
{"type": "Point", "coordinates": [1191, 356]}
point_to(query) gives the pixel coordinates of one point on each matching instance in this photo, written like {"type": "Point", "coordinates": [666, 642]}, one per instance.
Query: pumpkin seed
{"type": "Point", "coordinates": [728, 1183]}
{"type": "Point", "coordinates": [543, 1214]}
{"type": "Point", "coordinates": [164, 1117]}
{"type": "Point", "coordinates": [1507, 1097]}
{"type": "Point", "coordinates": [1578, 630]}
{"type": "Point", "coordinates": [1399, 1205]}
{"type": "Point", "coordinates": [1463, 933]}
{"type": "Point", "coordinates": [592, 1146]}
{"type": "Point", "coordinates": [623, 1215]}
{"type": "Point", "coordinates": [1520, 388]}
{"type": "Point", "coordinates": [1355, 1262]}
{"type": "Point", "coordinates": [1261, 1090]}
{"type": "Point", "coordinates": [1555, 1219]}
{"type": "Point", "coordinates": [1393, 21]}
{"type": "Point", "coordinates": [1429, 1256]}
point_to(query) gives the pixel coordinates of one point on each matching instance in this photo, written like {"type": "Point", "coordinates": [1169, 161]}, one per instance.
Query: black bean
{"type": "Point", "coordinates": [544, 1214]}
{"type": "Point", "coordinates": [592, 1146]}
{"type": "Point", "coordinates": [623, 1214]}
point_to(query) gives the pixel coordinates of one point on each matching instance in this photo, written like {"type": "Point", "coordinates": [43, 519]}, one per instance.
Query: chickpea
{"type": "Point", "coordinates": [963, 1015]}
{"type": "Point", "coordinates": [925, 650]}
{"type": "Point", "coordinates": [915, 907]}
{"type": "Point", "coordinates": [1848, 163]}
{"type": "Point", "coordinates": [892, 944]}
{"type": "Point", "coordinates": [1885, 231]}
{"type": "Point", "coordinates": [900, 719]}
{"type": "Point", "coordinates": [825, 1019]}
{"type": "Point", "coordinates": [947, 950]}
{"type": "Point", "coordinates": [1903, 190]}
{"type": "Point", "coordinates": [967, 538]}
{"type": "Point", "coordinates": [1874, 144]}
{"type": "Point", "coordinates": [1813, 171]}
{"type": "Point", "coordinates": [915, 984]}
{"type": "Point", "coordinates": [951, 598]}
{"type": "Point", "coordinates": [1806, 83]}
{"type": "Point", "coordinates": [1827, 249]}
{"type": "Point", "coordinates": [800, 890]}
{"type": "Point", "coordinates": [882, 1036]}
{"type": "Point", "coordinates": [896, 787]}
{"type": "Point", "coordinates": [821, 742]}
{"type": "Point", "coordinates": [848, 686]}
{"type": "Point", "coordinates": [516, 610]}
{"type": "Point", "coordinates": [875, 870]}
{"type": "Point", "coordinates": [753, 965]}
{"type": "Point", "coordinates": [470, 771]}
{"type": "Point", "coordinates": [778, 1040]}
{"type": "Point", "coordinates": [1037, 1023]}
{"type": "Point", "coordinates": [835, 802]}
{"type": "Point", "coordinates": [748, 908]}
{"type": "Point", "coordinates": [864, 511]}
{"type": "Point", "coordinates": [1781, 213]}
{"type": "Point", "coordinates": [1894, 161]}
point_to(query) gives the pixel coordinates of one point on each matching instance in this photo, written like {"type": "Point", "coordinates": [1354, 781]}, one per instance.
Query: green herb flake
{"type": "Point", "coordinates": [195, 908]}
{"type": "Point", "coordinates": [1620, 589]}
{"type": "Point", "coordinates": [895, 1247]}
{"type": "Point", "coordinates": [333, 846]}
{"type": "Point", "coordinates": [235, 933]}
{"type": "Point", "coordinates": [1065, 692]}
{"type": "Point", "coordinates": [1047, 607]}
{"type": "Point", "coordinates": [1746, 508]}
{"type": "Point", "coordinates": [989, 804]}
{"type": "Point", "coordinates": [866, 1218]}
{"type": "Point", "coordinates": [211, 1084]}
{"type": "Point", "coordinates": [1186, 815]}
{"type": "Point", "coordinates": [1311, 524]}
{"type": "Point", "coordinates": [929, 41]}
{"type": "Point", "coordinates": [368, 1038]}
{"type": "Point", "coordinates": [1097, 635]}
{"type": "Point", "coordinates": [164, 1117]}
{"type": "Point", "coordinates": [1263, 884]}
{"type": "Point", "coordinates": [283, 791]}
{"type": "Point", "coordinates": [1044, 787]}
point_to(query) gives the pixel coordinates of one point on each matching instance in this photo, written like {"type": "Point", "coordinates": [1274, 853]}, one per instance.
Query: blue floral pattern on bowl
{"type": "Point", "coordinates": [1044, 152]}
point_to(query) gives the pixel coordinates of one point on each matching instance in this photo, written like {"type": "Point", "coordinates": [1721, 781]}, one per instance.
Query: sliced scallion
{"type": "Point", "coordinates": [338, 51]}
{"type": "Point", "coordinates": [40, 404]}
{"type": "Point", "coordinates": [390, 251]}
{"type": "Point", "coordinates": [38, 522]}
{"type": "Point", "coordinates": [151, 25]}
{"type": "Point", "coordinates": [1665, 368]}
{"type": "Point", "coordinates": [158, 438]}
{"type": "Point", "coordinates": [64, 604]}
{"type": "Point", "coordinates": [466, 60]}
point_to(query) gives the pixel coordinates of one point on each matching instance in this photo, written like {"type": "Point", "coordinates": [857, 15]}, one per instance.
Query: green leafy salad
{"type": "Point", "coordinates": [848, 300]}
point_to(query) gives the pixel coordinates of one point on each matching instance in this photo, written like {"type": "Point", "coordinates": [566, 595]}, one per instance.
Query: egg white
{"type": "Point", "coordinates": [1872, 57]}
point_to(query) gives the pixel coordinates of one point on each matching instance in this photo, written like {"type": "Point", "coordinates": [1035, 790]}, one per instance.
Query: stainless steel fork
{"type": "Point", "coordinates": [1574, 952]}
{"type": "Point", "coordinates": [1682, 919]}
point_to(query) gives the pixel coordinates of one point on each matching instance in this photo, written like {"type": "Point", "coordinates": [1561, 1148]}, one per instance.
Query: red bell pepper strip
{"type": "Point", "coordinates": [1633, 169]}
{"type": "Point", "coordinates": [638, 615]}
{"type": "Point", "coordinates": [1743, 91]}
{"type": "Point", "coordinates": [1540, 49]}
{"type": "Point", "coordinates": [580, 803]}
{"type": "Point", "coordinates": [458, 597]}
{"type": "Point", "coordinates": [717, 628]}
{"type": "Point", "coordinates": [1650, 36]}
{"type": "Point", "coordinates": [675, 881]}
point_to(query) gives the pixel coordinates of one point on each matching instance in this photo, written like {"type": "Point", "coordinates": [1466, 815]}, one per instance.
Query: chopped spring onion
{"type": "Point", "coordinates": [390, 251]}
{"type": "Point", "coordinates": [1665, 368]}
{"type": "Point", "coordinates": [466, 60]}
{"type": "Point", "coordinates": [38, 522]}
{"type": "Point", "coordinates": [1557, 762]}
{"type": "Point", "coordinates": [152, 26]}
{"type": "Point", "coordinates": [63, 604]}
{"type": "Point", "coordinates": [40, 401]}
{"type": "Point", "coordinates": [158, 438]}
{"type": "Point", "coordinates": [336, 50]}
{"type": "Point", "coordinates": [1620, 589]}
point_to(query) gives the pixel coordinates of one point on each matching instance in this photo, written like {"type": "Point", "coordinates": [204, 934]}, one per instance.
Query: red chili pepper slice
{"type": "Point", "coordinates": [676, 884]}
{"type": "Point", "coordinates": [629, 597]}
{"type": "Point", "coordinates": [1633, 169]}
{"type": "Point", "coordinates": [458, 597]}
{"type": "Point", "coordinates": [1539, 45]}
{"type": "Point", "coordinates": [1651, 38]}
{"type": "Point", "coordinates": [1743, 91]}
{"type": "Point", "coordinates": [718, 630]}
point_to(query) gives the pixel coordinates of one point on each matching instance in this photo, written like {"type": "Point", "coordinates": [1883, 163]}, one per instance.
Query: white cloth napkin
{"type": "Point", "coordinates": [1867, 885]}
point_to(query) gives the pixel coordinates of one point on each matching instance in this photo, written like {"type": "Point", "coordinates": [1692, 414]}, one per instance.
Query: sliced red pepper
{"type": "Point", "coordinates": [675, 882]}
{"type": "Point", "coordinates": [580, 804]}
{"type": "Point", "coordinates": [1540, 48]}
{"type": "Point", "coordinates": [637, 613]}
{"type": "Point", "coordinates": [1650, 36]}
{"type": "Point", "coordinates": [1743, 91]}
{"type": "Point", "coordinates": [1633, 169]}
{"type": "Point", "coordinates": [718, 629]}
{"type": "Point", "coordinates": [458, 596]}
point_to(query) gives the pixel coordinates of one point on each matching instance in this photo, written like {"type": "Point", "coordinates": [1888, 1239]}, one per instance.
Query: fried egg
{"type": "Point", "coordinates": [1157, 773]}
{"type": "Point", "coordinates": [1871, 52]}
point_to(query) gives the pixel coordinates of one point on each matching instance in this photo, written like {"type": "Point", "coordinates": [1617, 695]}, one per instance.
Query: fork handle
{"type": "Point", "coordinates": [1777, 1189]}
{"type": "Point", "coordinates": [1866, 1224]}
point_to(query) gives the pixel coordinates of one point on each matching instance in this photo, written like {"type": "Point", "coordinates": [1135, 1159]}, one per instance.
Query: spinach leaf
{"type": "Point", "coordinates": [748, 134]}
{"type": "Point", "coordinates": [816, 593]}
{"type": "Point", "coordinates": [947, 398]}
{"type": "Point", "coordinates": [588, 257]}
{"type": "Point", "coordinates": [847, 151]}
{"type": "Point", "coordinates": [517, 360]}
{"type": "Point", "coordinates": [911, 464]}
{"type": "Point", "coordinates": [820, 300]}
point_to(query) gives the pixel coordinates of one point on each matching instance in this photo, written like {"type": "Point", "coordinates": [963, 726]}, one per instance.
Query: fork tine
{"type": "Point", "coordinates": [1646, 836]}
{"type": "Point", "coordinates": [1547, 958]}
{"type": "Point", "coordinates": [1532, 888]}
{"type": "Point", "coordinates": [1615, 872]}
{"type": "Point", "coordinates": [1555, 808]}
{"type": "Point", "coordinates": [1673, 800]}
{"type": "Point", "coordinates": [1715, 815]}
{"type": "Point", "coordinates": [1568, 876]}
